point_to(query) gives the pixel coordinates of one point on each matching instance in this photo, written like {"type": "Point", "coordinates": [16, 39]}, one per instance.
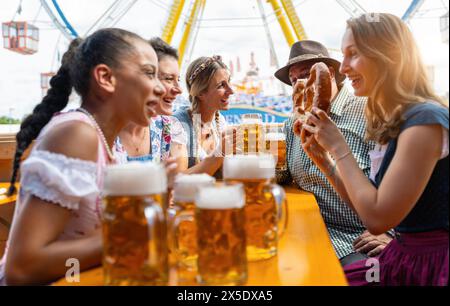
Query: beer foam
{"type": "Point", "coordinates": [275, 137]}
{"type": "Point", "coordinates": [135, 179]}
{"type": "Point", "coordinates": [251, 121]}
{"type": "Point", "coordinates": [186, 186]}
{"type": "Point", "coordinates": [221, 197]}
{"type": "Point", "coordinates": [261, 166]}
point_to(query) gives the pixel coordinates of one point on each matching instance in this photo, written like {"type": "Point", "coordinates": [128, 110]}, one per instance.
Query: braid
{"type": "Point", "coordinates": [194, 103]}
{"type": "Point", "coordinates": [218, 127]}
{"type": "Point", "coordinates": [55, 101]}
{"type": "Point", "coordinates": [197, 135]}
{"type": "Point", "coordinates": [105, 46]}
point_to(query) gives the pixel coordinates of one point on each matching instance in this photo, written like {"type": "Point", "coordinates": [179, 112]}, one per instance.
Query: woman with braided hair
{"type": "Point", "coordinates": [208, 83]}
{"type": "Point", "coordinates": [57, 215]}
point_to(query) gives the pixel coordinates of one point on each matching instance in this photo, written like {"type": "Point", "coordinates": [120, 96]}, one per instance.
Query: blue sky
{"type": "Point", "coordinates": [324, 20]}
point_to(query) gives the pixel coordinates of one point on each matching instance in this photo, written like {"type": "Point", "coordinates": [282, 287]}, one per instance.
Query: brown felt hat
{"type": "Point", "coordinates": [308, 51]}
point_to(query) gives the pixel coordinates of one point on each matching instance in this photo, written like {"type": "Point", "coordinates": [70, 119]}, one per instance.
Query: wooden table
{"type": "Point", "coordinates": [3, 198]}
{"type": "Point", "coordinates": [7, 205]}
{"type": "Point", "coordinates": [305, 253]}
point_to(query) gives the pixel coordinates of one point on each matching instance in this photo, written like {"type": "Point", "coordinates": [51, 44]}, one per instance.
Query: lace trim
{"type": "Point", "coordinates": [59, 179]}
{"type": "Point", "coordinates": [38, 189]}
{"type": "Point", "coordinates": [61, 160]}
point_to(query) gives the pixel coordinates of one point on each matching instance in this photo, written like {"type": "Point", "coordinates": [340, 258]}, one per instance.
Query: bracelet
{"type": "Point", "coordinates": [342, 157]}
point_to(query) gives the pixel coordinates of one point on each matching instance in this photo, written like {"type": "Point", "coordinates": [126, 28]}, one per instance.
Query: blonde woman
{"type": "Point", "coordinates": [208, 83]}
{"type": "Point", "coordinates": [409, 183]}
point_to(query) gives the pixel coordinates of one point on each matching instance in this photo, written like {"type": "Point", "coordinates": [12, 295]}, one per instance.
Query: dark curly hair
{"type": "Point", "coordinates": [163, 49]}
{"type": "Point", "coordinates": [106, 46]}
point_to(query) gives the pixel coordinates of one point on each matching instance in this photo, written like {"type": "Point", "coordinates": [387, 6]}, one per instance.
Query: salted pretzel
{"type": "Point", "coordinates": [316, 92]}
{"type": "Point", "coordinates": [298, 96]}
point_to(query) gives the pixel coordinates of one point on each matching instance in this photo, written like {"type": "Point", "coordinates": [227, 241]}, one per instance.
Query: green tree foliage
{"type": "Point", "coordinates": [8, 120]}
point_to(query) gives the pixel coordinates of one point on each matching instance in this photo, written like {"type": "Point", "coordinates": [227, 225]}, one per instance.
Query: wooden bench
{"type": "Point", "coordinates": [7, 150]}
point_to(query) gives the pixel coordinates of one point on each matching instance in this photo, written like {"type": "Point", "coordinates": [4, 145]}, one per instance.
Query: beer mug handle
{"type": "Point", "coordinates": [156, 225]}
{"type": "Point", "coordinates": [174, 230]}
{"type": "Point", "coordinates": [282, 209]}
{"type": "Point", "coordinates": [154, 215]}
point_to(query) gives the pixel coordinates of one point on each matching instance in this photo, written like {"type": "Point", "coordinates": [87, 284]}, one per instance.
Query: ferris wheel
{"type": "Point", "coordinates": [283, 10]}
{"type": "Point", "coordinates": [182, 16]}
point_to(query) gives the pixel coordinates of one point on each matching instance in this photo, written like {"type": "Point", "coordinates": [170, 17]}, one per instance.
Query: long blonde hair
{"type": "Point", "coordinates": [198, 78]}
{"type": "Point", "coordinates": [401, 76]}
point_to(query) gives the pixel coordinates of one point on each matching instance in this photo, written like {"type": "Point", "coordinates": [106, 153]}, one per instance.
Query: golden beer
{"type": "Point", "coordinates": [276, 145]}
{"type": "Point", "coordinates": [134, 225]}
{"type": "Point", "coordinates": [221, 238]}
{"type": "Point", "coordinates": [251, 132]}
{"type": "Point", "coordinates": [183, 230]}
{"type": "Point", "coordinates": [263, 202]}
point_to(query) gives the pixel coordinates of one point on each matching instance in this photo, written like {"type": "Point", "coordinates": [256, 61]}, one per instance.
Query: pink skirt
{"type": "Point", "coordinates": [412, 259]}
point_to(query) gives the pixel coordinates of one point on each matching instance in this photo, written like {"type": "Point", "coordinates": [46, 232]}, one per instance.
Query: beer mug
{"type": "Point", "coordinates": [220, 218]}
{"type": "Point", "coordinates": [265, 208]}
{"type": "Point", "coordinates": [275, 144]}
{"type": "Point", "coordinates": [134, 225]}
{"type": "Point", "coordinates": [251, 133]}
{"type": "Point", "coordinates": [183, 231]}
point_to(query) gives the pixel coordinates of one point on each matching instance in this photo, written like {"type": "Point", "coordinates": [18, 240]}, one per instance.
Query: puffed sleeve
{"type": "Point", "coordinates": [177, 131]}
{"type": "Point", "coordinates": [58, 179]}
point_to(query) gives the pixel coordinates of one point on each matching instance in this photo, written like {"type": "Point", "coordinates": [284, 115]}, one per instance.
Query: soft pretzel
{"type": "Point", "coordinates": [316, 92]}
{"type": "Point", "coordinates": [298, 96]}
{"type": "Point", "coordinates": [320, 79]}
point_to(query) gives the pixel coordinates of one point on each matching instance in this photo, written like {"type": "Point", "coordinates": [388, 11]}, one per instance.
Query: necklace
{"type": "Point", "coordinates": [99, 130]}
{"type": "Point", "coordinates": [140, 141]}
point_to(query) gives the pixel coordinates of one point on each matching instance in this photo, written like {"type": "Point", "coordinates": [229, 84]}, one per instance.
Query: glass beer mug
{"type": "Point", "coordinates": [134, 225]}
{"type": "Point", "coordinates": [265, 208]}
{"type": "Point", "coordinates": [275, 144]}
{"type": "Point", "coordinates": [251, 134]}
{"type": "Point", "coordinates": [221, 239]}
{"type": "Point", "coordinates": [182, 227]}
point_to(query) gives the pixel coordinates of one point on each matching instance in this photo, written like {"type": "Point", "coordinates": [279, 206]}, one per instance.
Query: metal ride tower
{"type": "Point", "coordinates": [284, 11]}
{"type": "Point", "coordinates": [291, 26]}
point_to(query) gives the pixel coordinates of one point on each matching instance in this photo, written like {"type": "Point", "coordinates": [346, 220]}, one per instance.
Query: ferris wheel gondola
{"type": "Point", "coordinates": [20, 36]}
